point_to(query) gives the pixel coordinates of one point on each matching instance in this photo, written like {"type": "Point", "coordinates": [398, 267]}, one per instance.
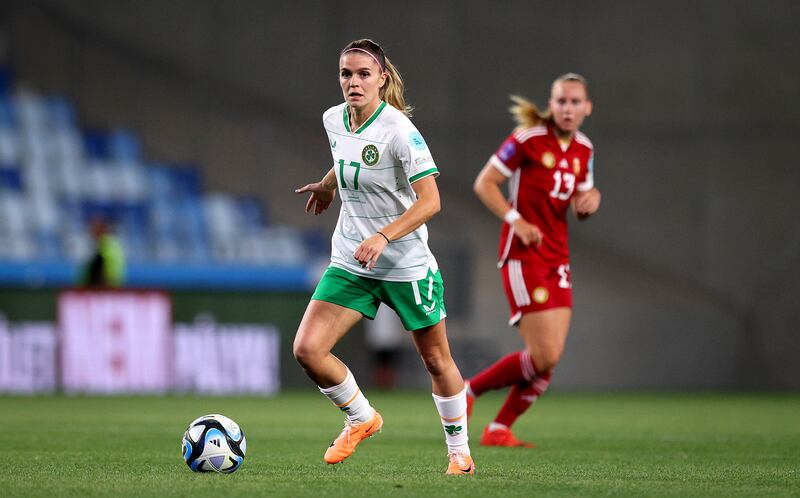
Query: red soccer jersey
{"type": "Point", "coordinates": [543, 176]}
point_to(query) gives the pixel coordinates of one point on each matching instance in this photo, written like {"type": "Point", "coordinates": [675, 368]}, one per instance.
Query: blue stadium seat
{"type": "Point", "coordinates": [77, 245]}
{"type": "Point", "coordinates": [123, 145]}
{"type": "Point", "coordinates": [9, 145]}
{"type": "Point", "coordinates": [93, 209]}
{"type": "Point", "coordinates": [66, 145]}
{"type": "Point", "coordinates": [49, 245]}
{"type": "Point", "coordinates": [135, 244]}
{"type": "Point", "coordinates": [45, 215]}
{"type": "Point", "coordinates": [160, 180]}
{"type": "Point", "coordinates": [317, 241]}
{"type": "Point", "coordinates": [61, 112]}
{"type": "Point", "coordinates": [30, 110]}
{"type": "Point", "coordinates": [167, 248]}
{"type": "Point", "coordinates": [10, 177]}
{"type": "Point", "coordinates": [6, 79]}
{"type": "Point", "coordinates": [95, 143]}
{"type": "Point", "coordinates": [8, 113]}
{"type": "Point", "coordinates": [134, 216]}
{"type": "Point", "coordinates": [252, 212]}
{"type": "Point", "coordinates": [186, 180]}
{"type": "Point", "coordinates": [13, 211]}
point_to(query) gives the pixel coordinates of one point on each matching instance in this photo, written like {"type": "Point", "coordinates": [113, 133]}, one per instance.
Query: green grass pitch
{"type": "Point", "coordinates": [588, 445]}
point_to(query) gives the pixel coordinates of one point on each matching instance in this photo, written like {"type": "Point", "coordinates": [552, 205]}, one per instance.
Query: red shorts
{"type": "Point", "coordinates": [530, 287]}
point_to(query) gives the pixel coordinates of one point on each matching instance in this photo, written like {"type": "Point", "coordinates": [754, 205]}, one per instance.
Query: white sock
{"type": "Point", "coordinates": [469, 389]}
{"type": "Point", "coordinates": [493, 426]}
{"type": "Point", "coordinates": [453, 413]}
{"type": "Point", "coordinates": [348, 398]}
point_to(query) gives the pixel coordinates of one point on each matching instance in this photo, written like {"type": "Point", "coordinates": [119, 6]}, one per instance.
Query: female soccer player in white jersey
{"type": "Point", "coordinates": [549, 164]}
{"type": "Point", "coordinates": [386, 179]}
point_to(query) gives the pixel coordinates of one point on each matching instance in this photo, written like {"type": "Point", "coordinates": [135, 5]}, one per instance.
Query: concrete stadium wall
{"type": "Point", "coordinates": [687, 278]}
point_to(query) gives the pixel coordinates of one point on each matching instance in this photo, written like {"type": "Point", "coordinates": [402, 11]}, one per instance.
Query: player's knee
{"type": "Point", "coordinates": [435, 363]}
{"type": "Point", "coordinates": [546, 359]}
{"type": "Point", "coordinates": [304, 353]}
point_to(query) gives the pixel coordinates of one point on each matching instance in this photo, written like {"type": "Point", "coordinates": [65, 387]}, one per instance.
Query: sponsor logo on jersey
{"type": "Point", "coordinates": [370, 155]}
{"type": "Point", "coordinates": [416, 140]}
{"type": "Point", "coordinates": [563, 164]}
{"type": "Point", "coordinates": [548, 160]}
{"type": "Point", "coordinates": [421, 160]}
{"type": "Point", "coordinates": [507, 151]}
{"type": "Point", "coordinates": [541, 295]}
{"type": "Point", "coordinates": [576, 165]}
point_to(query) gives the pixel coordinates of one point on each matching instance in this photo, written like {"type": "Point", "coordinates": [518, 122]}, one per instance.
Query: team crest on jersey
{"type": "Point", "coordinates": [576, 165]}
{"type": "Point", "coordinates": [549, 160]}
{"type": "Point", "coordinates": [370, 155]}
{"type": "Point", "coordinates": [541, 295]}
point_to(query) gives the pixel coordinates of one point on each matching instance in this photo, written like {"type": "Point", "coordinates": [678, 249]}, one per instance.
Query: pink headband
{"type": "Point", "coordinates": [368, 53]}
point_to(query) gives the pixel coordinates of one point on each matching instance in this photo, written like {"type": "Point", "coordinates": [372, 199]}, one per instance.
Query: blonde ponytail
{"type": "Point", "coordinates": [392, 90]}
{"type": "Point", "coordinates": [526, 114]}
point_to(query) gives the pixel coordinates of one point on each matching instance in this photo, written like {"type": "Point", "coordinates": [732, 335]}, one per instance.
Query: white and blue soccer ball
{"type": "Point", "coordinates": [214, 443]}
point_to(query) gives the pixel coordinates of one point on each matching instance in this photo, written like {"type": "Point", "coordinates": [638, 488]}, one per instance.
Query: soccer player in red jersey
{"type": "Point", "coordinates": [548, 163]}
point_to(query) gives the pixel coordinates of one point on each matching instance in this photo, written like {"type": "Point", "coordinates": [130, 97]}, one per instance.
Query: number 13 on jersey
{"type": "Point", "coordinates": [342, 166]}
{"type": "Point", "coordinates": [562, 180]}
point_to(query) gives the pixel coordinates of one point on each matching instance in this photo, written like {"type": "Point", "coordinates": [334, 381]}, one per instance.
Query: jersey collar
{"type": "Point", "coordinates": [346, 118]}
{"type": "Point", "coordinates": [552, 131]}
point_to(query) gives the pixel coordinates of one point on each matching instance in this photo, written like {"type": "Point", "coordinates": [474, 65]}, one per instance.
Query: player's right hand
{"type": "Point", "coordinates": [368, 252]}
{"type": "Point", "coordinates": [320, 199]}
{"type": "Point", "coordinates": [528, 233]}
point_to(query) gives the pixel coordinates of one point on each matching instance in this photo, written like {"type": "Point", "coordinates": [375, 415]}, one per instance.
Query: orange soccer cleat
{"type": "Point", "coordinates": [460, 464]}
{"type": "Point", "coordinates": [502, 437]}
{"type": "Point", "coordinates": [352, 434]}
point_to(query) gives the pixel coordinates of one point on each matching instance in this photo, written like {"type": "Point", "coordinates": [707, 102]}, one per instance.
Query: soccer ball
{"type": "Point", "coordinates": [214, 443]}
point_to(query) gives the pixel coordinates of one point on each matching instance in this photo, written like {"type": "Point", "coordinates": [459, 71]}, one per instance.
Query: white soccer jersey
{"type": "Point", "coordinates": [375, 166]}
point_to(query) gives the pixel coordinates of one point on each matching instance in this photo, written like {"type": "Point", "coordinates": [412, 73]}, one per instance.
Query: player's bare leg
{"type": "Point", "coordinates": [545, 333]}
{"type": "Point", "coordinates": [449, 395]}
{"type": "Point", "coordinates": [323, 325]}
{"type": "Point", "coordinates": [321, 328]}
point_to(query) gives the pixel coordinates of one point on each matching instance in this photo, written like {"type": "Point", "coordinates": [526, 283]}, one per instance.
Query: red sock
{"type": "Point", "coordinates": [511, 369]}
{"type": "Point", "coordinates": [520, 398]}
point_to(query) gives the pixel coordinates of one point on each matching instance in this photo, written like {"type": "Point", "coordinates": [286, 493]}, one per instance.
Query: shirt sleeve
{"type": "Point", "coordinates": [411, 150]}
{"type": "Point", "coordinates": [508, 157]}
{"type": "Point", "coordinates": [588, 181]}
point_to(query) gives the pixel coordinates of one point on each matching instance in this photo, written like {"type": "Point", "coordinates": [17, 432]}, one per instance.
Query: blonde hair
{"type": "Point", "coordinates": [525, 112]}
{"type": "Point", "coordinates": [392, 90]}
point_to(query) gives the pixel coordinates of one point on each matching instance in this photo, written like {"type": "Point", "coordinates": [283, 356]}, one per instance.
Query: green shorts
{"type": "Point", "coordinates": [419, 304]}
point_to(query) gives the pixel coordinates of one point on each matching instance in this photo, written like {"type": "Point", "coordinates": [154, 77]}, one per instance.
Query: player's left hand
{"type": "Point", "coordinates": [585, 204]}
{"type": "Point", "coordinates": [368, 252]}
